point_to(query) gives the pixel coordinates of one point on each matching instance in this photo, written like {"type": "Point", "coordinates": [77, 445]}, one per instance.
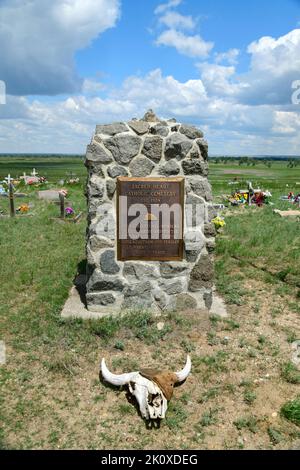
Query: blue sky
{"type": "Point", "coordinates": [130, 47]}
{"type": "Point", "coordinates": [226, 66]}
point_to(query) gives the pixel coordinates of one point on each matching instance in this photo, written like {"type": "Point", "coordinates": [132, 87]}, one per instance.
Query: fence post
{"type": "Point", "coordinates": [62, 205]}
{"type": "Point", "coordinates": [11, 200]}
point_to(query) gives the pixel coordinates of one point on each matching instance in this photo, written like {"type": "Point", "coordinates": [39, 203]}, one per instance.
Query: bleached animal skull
{"type": "Point", "coordinates": [152, 389]}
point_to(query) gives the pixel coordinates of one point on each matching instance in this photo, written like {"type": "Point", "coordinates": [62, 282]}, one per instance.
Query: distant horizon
{"type": "Point", "coordinates": [60, 154]}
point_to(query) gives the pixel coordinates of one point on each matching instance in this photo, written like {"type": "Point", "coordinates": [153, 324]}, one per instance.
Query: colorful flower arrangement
{"type": "Point", "coordinates": [73, 181]}
{"type": "Point", "coordinates": [218, 222]}
{"type": "Point", "coordinates": [23, 209]}
{"type": "Point", "coordinates": [69, 211]}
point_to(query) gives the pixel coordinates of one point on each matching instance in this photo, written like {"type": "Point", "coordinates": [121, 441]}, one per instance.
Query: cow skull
{"type": "Point", "coordinates": [152, 389]}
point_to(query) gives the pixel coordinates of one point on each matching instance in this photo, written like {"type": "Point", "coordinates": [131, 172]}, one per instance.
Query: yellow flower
{"type": "Point", "coordinates": [219, 222]}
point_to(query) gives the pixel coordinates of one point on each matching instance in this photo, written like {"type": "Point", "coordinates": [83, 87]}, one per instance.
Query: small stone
{"type": "Point", "coordinates": [195, 154]}
{"type": "Point", "coordinates": [141, 289]}
{"type": "Point", "coordinates": [97, 243]}
{"type": "Point", "coordinates": [110, 188]}
{"type": "Point", "coordinates": [150, 116]}
{"type": "Point", "coordinates": [194, 241]}
{"type": "Point", "coordinates": [185, 302]}
{"type": "Point", "coordinates": [160, 326]}
{"type": "Point", "coordinates": [139, 270]}
{"type": "Point", "coordinates": [139, 127]}
{"type": "Point", "coordinates": [161, 298]}
{"type": "Point", "coordinates": [192, 255]}
{"type": "Point", "coordinates": [177, 146]}
{"type": "Point", "coordinates": [108, 263]}
{"type": "Point", "coordinates": [160, 129]}
{"type": "Point", "coordinates": [196, 212]}
{"type": "Point", "coordinates": [191, 131]}
{"type": "Point", "coordinates": [173, 287]}
{"type": "Point", "coordinates": [171, 168]}
{"type": "Point", "coordinates": [96, 154]}
{"type": "Point", "coordinates": [169, 270]}
{"type": "Point", "coordinates": [141, 166]}
{"type": "Point", "coordinates": [209, 230]}
{"type": "Point", "coordinates": [211, 245]}
{"type": "Point", "coordinates": [95, 187]}
{"type": "Point", "coordinates": [115, 171]}
{"type": "Point", "coordinates": [195, 167]}
{"type": "Point", "coordinates": [101, 299]}
{"type": "Point", "coordinates": [208, 299]}
{"type": "Point", "coordinates": [203, 146]}
{"type": "Point", "coordinates": [99, 282]}
{"type": "Point", "coordinates": [202, 274]}
{"type": "Point", "coordinates": [274, 415]}
{"type": "Point", "coordinates": [201, 187]}
{"type": "Point", "coordinates": [153, 148]}
{"type": "Point", "coordinates": [111, 129]}
{"type": "Point", "coordinates": [138, 295]}
{"type": "Point", "coordinates": [124, 147]}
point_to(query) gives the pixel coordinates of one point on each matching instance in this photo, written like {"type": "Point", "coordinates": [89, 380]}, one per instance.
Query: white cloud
{"type": "Point", "coordinates": [230, 56]}
{"type": "Point", "coordinates": [287, 123]}
{"type": "Point", "coordinates": [172, 19]}
{"type": "Point", "coordinates": [66, 125]}
{"type": "Point", "coordinates": [92, 87]}
{"type": "Point", "coordinates": [191, 46]}
{"type": "Point", "coordinates": [166, 6]}
{"type": "Point", "coordinates": [275, 64]}
{"type": "Point", "coordinates": [219, 80]}
{"type": "Point", "coordinates": [39, 39]}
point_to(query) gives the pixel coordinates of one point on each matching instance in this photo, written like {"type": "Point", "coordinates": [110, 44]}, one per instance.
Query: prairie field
{"type": "Point", "coordinates": [243, 392]}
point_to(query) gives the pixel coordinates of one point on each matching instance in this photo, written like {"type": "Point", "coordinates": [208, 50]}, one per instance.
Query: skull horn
{"type": "Point", "coordinates": [182, 375]}
{"type": "Point", "coordinates": [115, 379]}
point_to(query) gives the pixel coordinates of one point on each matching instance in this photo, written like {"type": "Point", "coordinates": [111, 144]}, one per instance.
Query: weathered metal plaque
{"type": "Point", "coordinates": [150, 218]}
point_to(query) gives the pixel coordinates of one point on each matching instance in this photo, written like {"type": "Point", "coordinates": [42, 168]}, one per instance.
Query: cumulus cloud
{"type": "Point", "coordinates": [191, 46]}
{"type": "Point", "coordinates": [231, 57]}
{"type": "Point", "coordinates": [66, 125]}
{"type": "Point", "coordinates": [166, 6]}
{"type": "Point", "coordinates": [39, 39]}
{"type": "Point", "coordinates": [172, 19]}
{"type": "Point", "coordinates": [220, 80]}
{"type": "Point", "coordinates": [275, 65]}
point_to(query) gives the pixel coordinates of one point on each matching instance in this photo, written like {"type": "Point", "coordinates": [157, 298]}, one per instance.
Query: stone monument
{"type": "Point", "coordinates": [142, 175]}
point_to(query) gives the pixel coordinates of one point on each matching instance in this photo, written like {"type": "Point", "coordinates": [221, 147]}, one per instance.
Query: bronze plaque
{"type": "Point", "coordinates": [150, 218]}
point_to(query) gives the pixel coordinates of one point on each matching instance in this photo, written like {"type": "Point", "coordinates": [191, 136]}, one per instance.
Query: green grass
{"type": "Point", "coordinates": [275, 435]}
{"type": "Point", "coordinates": [291, 411]}
{"type": "Point", "coordinates": [290, 373]}
{"type": "Point", "coordinates": [247, 422]}
{"type": "Point", "coordinates": [176, 416]}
